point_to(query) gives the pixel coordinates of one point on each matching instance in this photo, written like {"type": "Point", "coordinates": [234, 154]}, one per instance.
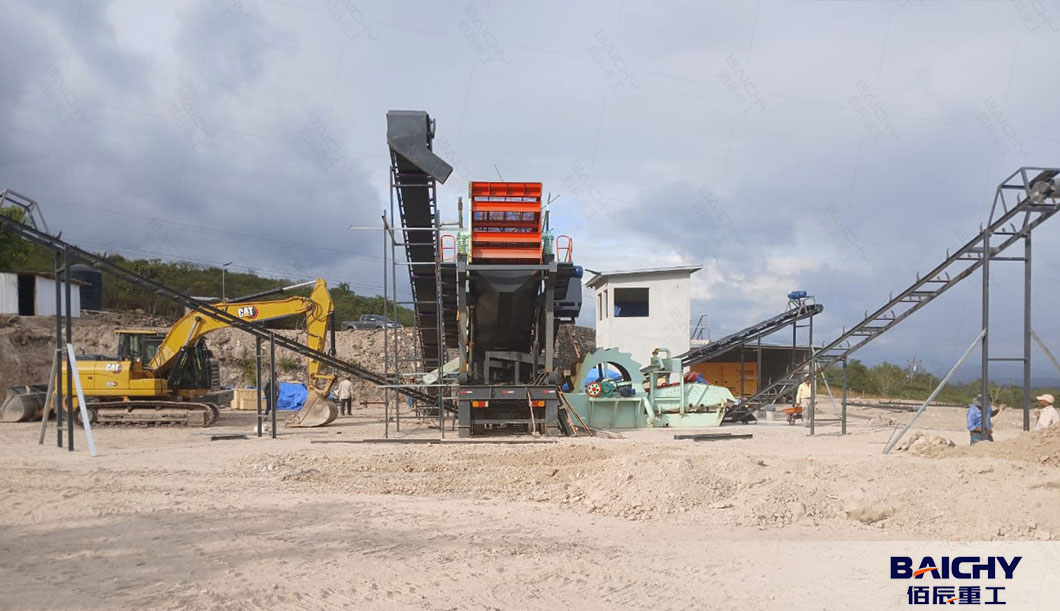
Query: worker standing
{"type": "Point", "coordinates": [1046, 415]}
{"type": "Point", "coordinates": [269, 396]}
{"type": "Point", "coordinates": [804, 399]}
{"type": "Point", "coordinates": [974, 420]}
{"type": "Point", "coordinates": [345, 392]}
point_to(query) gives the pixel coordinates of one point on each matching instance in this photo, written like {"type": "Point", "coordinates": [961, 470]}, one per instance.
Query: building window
{"type": "Point", "coordinates": [605, 304]}
{"type": "Point", "coordinates": [600, 306]}
{"type": "Point", "coordinates": [631, 302]}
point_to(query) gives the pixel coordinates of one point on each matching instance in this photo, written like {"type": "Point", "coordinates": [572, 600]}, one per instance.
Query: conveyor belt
{"type": "Point", "coordinates": [750, 334]}
{"type": "Point", "coordinates": [49, 241]}
{"type": "Point", "coordinates": [415, 169]}
{"type": "Point", "coordinates": [1037, 199]}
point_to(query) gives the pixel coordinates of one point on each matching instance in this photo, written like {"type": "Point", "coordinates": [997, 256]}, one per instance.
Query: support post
{"type": "Point", "coordinates": [49, 399]}
{"type": "Point", "coordinates": [813, 381]}
{"type": "Point", "coordinates": [758, 372]}
{"type": "Point", "coordinates": [257, 377]}
{"type": "Point", "coordinates": [1027, 332]}
{"type": "Point", "coordinates": [844, 418]}
{"type": "Point", "coordinates": [985, 403]}
{"type": "Point", "coordinates": [742, 393]}
{"type": "Point", "coordinates": [273, 394]}
{"type": "Point", "coordinates": [57, 405]}
{"type": "Point", "coordinates": [69, 361]}
{"type": "Point", "coordinates": [86, 419]}
{"type": "Point", "coordinates": [439, 312]}
{"type": "Point", "coordinates": [550, 313]}
{"type": "Point", "coordinates": [386, 331]}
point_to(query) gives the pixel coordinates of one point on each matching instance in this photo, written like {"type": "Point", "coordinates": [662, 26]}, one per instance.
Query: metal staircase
{"type": "Point", "coordinates": [750, 334]}
{"type": "Point", "coordinates": [1023, 201]}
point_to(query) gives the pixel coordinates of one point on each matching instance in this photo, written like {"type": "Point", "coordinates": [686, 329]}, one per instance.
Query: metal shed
{"type": "Point", "coordinates": [33, 294]}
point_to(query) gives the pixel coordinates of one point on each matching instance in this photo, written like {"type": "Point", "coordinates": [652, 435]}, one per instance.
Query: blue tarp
{"type": "Point", "coordinates": [292, 396]}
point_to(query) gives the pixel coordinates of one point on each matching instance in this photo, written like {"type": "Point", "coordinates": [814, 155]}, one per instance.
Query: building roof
{"type": "Point", "coordinates": [601, 277]}
{"type": "Point", "coordinates": [45, 275]}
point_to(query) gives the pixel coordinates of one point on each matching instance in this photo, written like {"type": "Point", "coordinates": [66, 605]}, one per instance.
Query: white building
{"type": "Point", "coordinates": [639, 310]}
{"type": "Point", "coordinates": [32, 294]}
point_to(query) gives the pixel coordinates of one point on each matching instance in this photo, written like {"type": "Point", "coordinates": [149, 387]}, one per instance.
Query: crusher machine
{"type": "Point", "coordinates": [488, 314]}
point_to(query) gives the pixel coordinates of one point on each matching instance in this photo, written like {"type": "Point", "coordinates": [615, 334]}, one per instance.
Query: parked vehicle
{"type": "Point", "coordinates": [371, 321]}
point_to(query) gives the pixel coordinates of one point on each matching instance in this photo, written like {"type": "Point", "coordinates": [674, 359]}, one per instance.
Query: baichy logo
{"type": "Point", "coordinates": [957, 568]}
{"type": "Point", "coordinates": [247, 312]}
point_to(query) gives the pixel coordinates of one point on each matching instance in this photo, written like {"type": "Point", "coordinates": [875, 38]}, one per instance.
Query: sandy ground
{"type": "Point", "coordinates": [167, 518]}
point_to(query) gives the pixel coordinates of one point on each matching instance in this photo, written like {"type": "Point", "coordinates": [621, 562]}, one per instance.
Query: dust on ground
{"type": "Point", "coordinates": [166, 518]}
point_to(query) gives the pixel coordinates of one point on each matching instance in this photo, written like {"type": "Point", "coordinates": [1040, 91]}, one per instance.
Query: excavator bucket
{"type": "Point", "coordinates": [316, 411]}
{"type": "Point", "coordinates": [23, 403]}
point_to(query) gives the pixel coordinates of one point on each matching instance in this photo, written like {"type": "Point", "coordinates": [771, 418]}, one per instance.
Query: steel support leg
{"type": "Point", "coordinates": [386, 331]}
{"type": "Point", "coordinates": [844, 418]}
{"type": "Point", "coordinates": [1027, 332]}
{"type": "Point", "coordinates": [758, 372]}
{"type": "Point", "coordinates": [742, 393]}
{"type": "Point", "coordinates": [273, 391]}
{"type": "Point", "coordinates": [984, 403]}
{"type": "Point", "coordinates": [58, 404]}
{"type": "Point", "coordinates": [69, 364]}
{"type": "Point", "coordinates": [813, 381]}
{"type": "Point", "coordinates": [257, 378]}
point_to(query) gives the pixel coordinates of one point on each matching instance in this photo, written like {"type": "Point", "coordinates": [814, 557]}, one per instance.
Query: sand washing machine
{"type": "Point", "coordinates": [611, 390]}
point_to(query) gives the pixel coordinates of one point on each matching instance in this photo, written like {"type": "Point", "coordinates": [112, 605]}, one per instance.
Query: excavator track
{"type": "Point", "coordinates": [152, 412]}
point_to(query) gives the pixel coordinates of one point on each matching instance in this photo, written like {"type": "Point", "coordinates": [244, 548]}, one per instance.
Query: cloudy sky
{"type": "Point", "coordinates": [831, 146]}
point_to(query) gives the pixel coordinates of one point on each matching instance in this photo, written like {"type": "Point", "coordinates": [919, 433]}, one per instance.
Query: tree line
{"type": "Point", "coordinates": [18, 254]}
{"type": "Point", "coordinates": [891, 381]}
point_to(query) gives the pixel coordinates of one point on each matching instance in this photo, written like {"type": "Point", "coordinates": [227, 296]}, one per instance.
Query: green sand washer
{"type": "Point", "coordinates": [623, 395]}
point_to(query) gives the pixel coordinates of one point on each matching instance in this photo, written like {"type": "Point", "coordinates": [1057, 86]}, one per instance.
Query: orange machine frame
{"type": "Point", "coordinates": [506, 222]}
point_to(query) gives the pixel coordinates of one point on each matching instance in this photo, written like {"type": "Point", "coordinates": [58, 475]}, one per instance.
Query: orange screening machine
{"type": "Point", "coordinates": [506, 223]}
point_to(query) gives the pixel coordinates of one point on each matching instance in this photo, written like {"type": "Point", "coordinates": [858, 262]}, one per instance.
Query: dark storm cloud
{"type": "Point", "coordinates": [831, 147]}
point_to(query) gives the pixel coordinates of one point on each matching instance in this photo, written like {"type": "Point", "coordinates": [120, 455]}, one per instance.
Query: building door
{"type": "Point", "coordinates": [27, 293]}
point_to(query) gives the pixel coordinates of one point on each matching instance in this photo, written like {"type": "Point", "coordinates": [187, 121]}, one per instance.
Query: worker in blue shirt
{"type": "Point", "coordinates": [974, 420]}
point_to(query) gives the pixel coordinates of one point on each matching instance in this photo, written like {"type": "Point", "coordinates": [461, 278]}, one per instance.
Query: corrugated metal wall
{"type": "Point", "coordinates": [45, 298]}
{"type": "Point", "coordinates": [8, 293]}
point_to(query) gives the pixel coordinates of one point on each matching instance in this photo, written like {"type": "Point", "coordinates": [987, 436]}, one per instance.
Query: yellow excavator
{"type": "Point", "coordinates": [165, 378]}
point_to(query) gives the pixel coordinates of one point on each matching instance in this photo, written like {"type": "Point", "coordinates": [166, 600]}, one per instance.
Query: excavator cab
{"type": "Point", "coordinates": [138, 345]}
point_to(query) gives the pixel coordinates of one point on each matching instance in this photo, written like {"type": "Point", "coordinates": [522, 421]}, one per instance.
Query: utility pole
{"type": "Point", "coordinates": [224, 268]}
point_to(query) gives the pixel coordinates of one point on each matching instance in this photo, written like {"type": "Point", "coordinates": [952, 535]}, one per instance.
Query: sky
{"type": "Point", "coordinates": [836, 147]}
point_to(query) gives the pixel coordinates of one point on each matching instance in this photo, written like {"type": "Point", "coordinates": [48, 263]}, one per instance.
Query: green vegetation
{"type": "Point", "coordinates": [893, 382]}
{"type": "Point", "coordinates": [246, 366]}
{"type": "Point", "coordinates": [12, 247]}
{"type": "Point", "coordinates": [287, 364]}
{"type": "Point", "coordinates": [193, 279]}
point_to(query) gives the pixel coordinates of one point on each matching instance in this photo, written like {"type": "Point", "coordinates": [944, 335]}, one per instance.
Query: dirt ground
{"type": "Point", "coordinates": [166, 518]}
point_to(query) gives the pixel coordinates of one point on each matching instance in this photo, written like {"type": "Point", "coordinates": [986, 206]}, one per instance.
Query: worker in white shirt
{"type": "Point", "coordinates": [804, 399]}
{"type": "Point", "coordinates": [345, 392]}
{"type": "Point", "coordinates": [1046, 415]}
